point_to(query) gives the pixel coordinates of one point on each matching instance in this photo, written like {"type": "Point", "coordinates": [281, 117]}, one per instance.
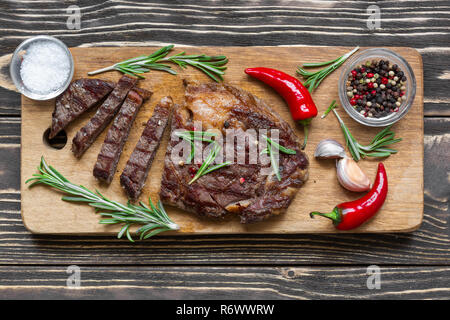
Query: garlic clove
{"type": "Point", "coordinates": [329, 149]}
{"type": "Point", "coordinates": [350, 175]}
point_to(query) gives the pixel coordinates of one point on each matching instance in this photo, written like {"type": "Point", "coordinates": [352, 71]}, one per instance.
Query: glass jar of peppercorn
{"type": "Point", "coordinates": [377, 87]}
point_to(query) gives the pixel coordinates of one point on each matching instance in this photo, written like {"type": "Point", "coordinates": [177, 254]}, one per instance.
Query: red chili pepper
{"type": "Point", "coordinates": [349, 215]}
{"type": "Point", "coordinates": [296, 95]}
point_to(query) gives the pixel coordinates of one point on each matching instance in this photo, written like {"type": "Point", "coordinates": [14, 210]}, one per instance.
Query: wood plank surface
{"type": "Point", "coordinates": [194, 283]}
{"type": "Point", "coordinates": [426, 246]}
{"type": "Point", "coordinates": [43, 213]}
{"type": "Point", "coordinates": [424, 25]}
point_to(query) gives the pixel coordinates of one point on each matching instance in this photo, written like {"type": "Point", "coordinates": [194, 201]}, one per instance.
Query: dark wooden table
{"type": "Point", "coordinates": [415, 265]}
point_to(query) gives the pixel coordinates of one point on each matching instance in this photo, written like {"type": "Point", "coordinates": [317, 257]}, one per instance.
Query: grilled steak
{"type": "Point", "coordinates": [136, 170]}
{"type": "Point", "coordinates": [117, 135]}
{"type": "Point", "coordinates": [242, 189]}
{"type": "Point", "coordinates": [105, 113]}
{"type": "Point", "coordinates": [79, 97]}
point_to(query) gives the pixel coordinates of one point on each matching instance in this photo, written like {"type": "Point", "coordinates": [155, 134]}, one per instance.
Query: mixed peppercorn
{"type": "Point", "coordinates": [376, 88]}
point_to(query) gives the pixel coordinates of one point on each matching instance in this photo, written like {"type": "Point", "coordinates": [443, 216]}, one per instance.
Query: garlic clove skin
{"type": "Point", "coordinates": [329, 149]}
{"type": "Point", "coordinates": [350, 175]}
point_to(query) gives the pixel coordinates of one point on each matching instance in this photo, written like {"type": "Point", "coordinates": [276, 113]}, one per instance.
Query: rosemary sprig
{"type": "Point", "coordinates": [154, 219]}
{"type": "Point", "coordinates": [191, 136]}
{"type": "Point", "coordinates": [213, 66]}
{"type": "Point", "coordinates": [313, 79]}
{"type": "Point", "coordinates": [376, 148]}
{"type": "Point", "coordinates": [271, 147]}
{"type": "Point", "coordinates": [331, 107]}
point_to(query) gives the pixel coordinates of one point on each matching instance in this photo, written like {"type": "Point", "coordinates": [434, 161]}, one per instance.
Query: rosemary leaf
{"type": "Point", "coordinates": [280, 147]}
{"type": "Point", "coordinates": [205, 168]}
{"type": "Point", "coordinates": [314, 79]}
{"type": "Point", "coordinates": [384, 138]}
{"type": "Point", "coordinates": [274, 162]}
{"type": "Point", "coordinates": [271, 147]}
{"type": "Point", "coordinates": [331, 107]}
{"type": "Point", "coordinates": [212, 66]}
{"type": "Point", "coordinates": [217, 166]}
{"type": "Point", "coordinates": [209, 160]}
{"type": "Point", "coordinates": [116, 213]}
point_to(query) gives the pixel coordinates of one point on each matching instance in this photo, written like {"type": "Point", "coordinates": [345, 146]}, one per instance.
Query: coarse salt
{"type": "Point", "coordinates": [45, 67]}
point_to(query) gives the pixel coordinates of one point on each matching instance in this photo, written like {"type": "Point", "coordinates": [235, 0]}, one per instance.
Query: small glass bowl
{"type": "Point", "coordinates": [16, 62]}
{"type": "Point", "coordinates": [377, 54]}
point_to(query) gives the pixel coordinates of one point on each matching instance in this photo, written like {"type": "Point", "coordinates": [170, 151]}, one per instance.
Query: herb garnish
{"type": "Point", "coordinates": [271, 146]}
{"type": "Point", "coordinates": [375, 148]}
{"type": "Point", "coordinates": [191, 136]}
{"type": "Point", "coordinates": [154, 219]}
{"type": "Point", "coordinates": [331, 107]}
{"type": "Point", "coordinates": [313, 79]}
{"type": "Point", "coordinates": [213, 66]}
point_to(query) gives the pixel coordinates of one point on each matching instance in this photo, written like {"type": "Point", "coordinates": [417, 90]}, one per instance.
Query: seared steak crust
{"type": "Point", "coordinates": [79, 97]}
{"type": "Point", "coordinates": [136, 170]}
{"type": "Point", "coordinates": [105, 113]}
{"type": "Point", "coordinates": [117, 135]}
{"type": "Point", "coordinates": [238, 188]}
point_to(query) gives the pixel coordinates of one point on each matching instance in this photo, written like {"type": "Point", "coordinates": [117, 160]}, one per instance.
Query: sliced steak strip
{"type": "Point", "coordinates": [136, 170]}
{"type": "Point", "coordinates": [117, 135]}
{"type": "Point", "coordinates": [105, 113]}
{"type": "Point", "coordinates": [241, 189]}
{"type": "Point", "coordinates": [79, 97]}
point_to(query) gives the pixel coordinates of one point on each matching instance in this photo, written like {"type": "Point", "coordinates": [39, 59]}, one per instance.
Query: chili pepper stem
{"type": "Point", "coordinates": [335, 215]}
{"type": "Point", "coordinates": [305, 123]}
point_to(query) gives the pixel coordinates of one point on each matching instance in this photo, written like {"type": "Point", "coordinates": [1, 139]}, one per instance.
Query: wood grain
{"type": "Point", "coordinates": [43, 213]}
{"type": "Point", "coordinates": [426, 246]}
{"type": "Point", "coordinates": [423, 25]}
{"type": "Point", "coordinates": [225, 283]}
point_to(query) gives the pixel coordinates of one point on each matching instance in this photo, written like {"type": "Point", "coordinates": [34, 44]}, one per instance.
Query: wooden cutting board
{"type": "Point", "coordinates": [43, 211]}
